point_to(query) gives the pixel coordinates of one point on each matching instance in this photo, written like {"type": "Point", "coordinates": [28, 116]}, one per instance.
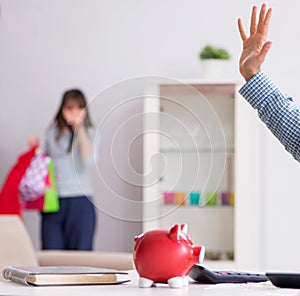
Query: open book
{"type": "Point", "coordinates": [64, 275]}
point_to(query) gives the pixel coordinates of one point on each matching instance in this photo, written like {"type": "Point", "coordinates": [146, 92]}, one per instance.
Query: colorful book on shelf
{"type": "Point", "coordinates": [64, 275]}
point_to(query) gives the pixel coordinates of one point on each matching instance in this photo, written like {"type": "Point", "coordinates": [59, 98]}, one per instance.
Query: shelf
{"type": "Point", "coordinates": [209, 226]}
{"type": "Point", "coordinates": [198, 208]}
{"type": "Point", "coordinates": [215, 88]}
{"type": "Point", "coordinates": [207, 208]}
{"type": "Point", "coordinates": [203, 128]}
{"type": "Point", "coordinates": [200, 150]}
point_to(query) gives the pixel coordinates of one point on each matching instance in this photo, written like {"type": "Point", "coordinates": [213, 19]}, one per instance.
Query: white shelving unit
{"type": "Point", "coordinates": [197, 138]}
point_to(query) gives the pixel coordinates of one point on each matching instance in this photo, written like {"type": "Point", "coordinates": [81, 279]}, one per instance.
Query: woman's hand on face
{"type": "Point", "coordinates": [75, 118]}
{"type": "Point", "coordinates": [78, 119]}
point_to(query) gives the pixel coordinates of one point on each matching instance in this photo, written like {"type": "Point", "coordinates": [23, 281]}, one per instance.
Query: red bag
{"type": "Point", "coordinates": [9, 195]}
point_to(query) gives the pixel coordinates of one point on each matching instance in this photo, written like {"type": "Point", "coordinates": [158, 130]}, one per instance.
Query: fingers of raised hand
{"type": "Point", "coordinates": [253, 26]}
{"type": "Point", "coordinates": [264, 20]}
{"type": "Point", "coordinates": [242, 30]}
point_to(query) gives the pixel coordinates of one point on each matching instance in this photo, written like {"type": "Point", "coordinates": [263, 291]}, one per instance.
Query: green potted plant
{"type": "Point", "coordinates": [210, 52]}
{"type": "Point", "coordinates": [213, 60]}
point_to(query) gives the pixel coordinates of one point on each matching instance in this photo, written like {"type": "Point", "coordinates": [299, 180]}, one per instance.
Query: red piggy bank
{"type": "Point", "coordinates": [166, 256]}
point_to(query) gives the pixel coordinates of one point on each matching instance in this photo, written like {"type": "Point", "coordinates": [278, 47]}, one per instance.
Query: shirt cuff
{"type": "Point", "coordinates": [257, 88]}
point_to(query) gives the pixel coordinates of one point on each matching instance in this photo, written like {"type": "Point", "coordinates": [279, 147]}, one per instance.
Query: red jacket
{"type": "Point", "coordinates": [9, 195]}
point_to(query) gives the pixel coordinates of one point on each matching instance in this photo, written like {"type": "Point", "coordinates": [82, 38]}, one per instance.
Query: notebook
{"type": "Point", "coordinates": [64, 275]}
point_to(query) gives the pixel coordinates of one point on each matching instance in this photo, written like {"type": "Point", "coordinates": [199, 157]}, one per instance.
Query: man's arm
{"type": "Point", "coordinates": [276, 110]}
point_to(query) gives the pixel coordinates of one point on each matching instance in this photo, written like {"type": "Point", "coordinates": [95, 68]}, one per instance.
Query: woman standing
{"type": "Point", "coordinates": [69, 142]}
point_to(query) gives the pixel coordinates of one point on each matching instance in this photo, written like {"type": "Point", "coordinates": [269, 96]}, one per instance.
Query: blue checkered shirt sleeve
{"type": "Point", "coordinates": [276, 110]}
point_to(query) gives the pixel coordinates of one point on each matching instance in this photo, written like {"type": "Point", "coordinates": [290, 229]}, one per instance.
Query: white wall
{"type": "Point", "coordinates": [51, 45]}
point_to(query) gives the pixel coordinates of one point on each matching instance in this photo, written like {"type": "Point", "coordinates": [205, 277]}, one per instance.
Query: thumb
{"type": "Point", "coordinates": [265, 49]}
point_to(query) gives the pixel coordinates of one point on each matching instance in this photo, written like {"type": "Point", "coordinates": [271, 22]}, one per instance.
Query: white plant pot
{"type": "Point", "coordinates": [213, 68]}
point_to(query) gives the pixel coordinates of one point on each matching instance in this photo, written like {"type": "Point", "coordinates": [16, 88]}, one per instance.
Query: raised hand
{"type": "Point", "coordinates": [256, 46]}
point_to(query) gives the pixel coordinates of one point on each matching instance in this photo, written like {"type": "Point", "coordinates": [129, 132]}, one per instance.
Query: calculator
{"type": "Point", "coordinates": [204, 275]}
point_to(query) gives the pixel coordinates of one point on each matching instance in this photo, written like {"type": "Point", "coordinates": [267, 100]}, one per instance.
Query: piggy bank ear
{"type": "Point", "coordinates": [137, 240]}
{"type": "Point", "coordinates": [177, 231]}
{"type": "Point", "coordinates": [184, 228]}
{"type": "Point", "coordinates": [138, 237]}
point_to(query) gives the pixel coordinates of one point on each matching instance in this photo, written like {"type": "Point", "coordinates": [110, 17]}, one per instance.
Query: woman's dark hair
{"type": "Point", "coordinates": [74, 95]}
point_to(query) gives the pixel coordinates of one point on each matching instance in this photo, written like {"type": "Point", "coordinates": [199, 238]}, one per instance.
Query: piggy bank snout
{"type": "Point", "coordinates": [198, 254]}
